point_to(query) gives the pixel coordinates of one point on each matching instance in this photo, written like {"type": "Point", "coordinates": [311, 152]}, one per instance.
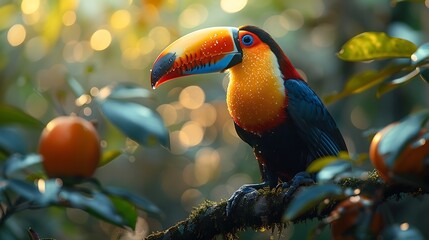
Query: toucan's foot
{"type": "Point", "coordinates": [300, 179]}
{"type": "Point", "coordinates": [243, 192]}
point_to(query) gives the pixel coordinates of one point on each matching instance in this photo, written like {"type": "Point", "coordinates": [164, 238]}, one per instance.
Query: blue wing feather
{"type": "Point", "coordinates": [314, 124]}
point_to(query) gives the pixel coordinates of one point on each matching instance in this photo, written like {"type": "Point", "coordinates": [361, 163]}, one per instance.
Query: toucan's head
{"type": "Point", "coordinates": [215, 49]}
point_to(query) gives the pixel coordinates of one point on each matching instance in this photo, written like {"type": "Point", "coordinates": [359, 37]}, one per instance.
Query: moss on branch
{"type": "Point", "coordinates": [261, 209]}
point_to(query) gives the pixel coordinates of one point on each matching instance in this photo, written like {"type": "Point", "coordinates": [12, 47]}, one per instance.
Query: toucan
{"type": "Point", "coordinates": [273, 108]}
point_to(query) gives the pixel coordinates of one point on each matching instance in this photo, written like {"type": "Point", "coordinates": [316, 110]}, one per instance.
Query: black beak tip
{"type": "Point", "coordinates": [161, 67]}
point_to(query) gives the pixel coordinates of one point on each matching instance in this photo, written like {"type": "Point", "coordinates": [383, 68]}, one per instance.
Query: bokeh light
{"type": "Point", "coordinates": [16, 35]}
{"type": "Point", "coordinates": [192, 97]}
{"type": "Point", "coordinates": [69, 18]}
{"type": "Point", "coordinates": [100, 39]}
{"type": "Point", "coordinates": [193, 16]}
{"type": "Point", "coordinates": [36, 48]}
{"type": "Point", "coordinates": [233, 6]}
{"type": "Point", "coordinates": [161, 36]}
{"type": "Point", "coordinates": [30, 6]}
{"type": "Point", "coordinates": [120, 19]}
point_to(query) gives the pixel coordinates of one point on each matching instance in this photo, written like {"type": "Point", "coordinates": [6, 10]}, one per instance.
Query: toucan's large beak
{"type": "Point", "coordinates": [203, 51]}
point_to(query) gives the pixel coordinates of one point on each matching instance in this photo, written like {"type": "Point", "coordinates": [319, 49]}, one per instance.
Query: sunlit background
{"type": "Point", "coordinates": [97, 43]}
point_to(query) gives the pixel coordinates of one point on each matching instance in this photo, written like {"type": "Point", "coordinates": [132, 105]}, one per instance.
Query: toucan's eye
{"type": "Point", "coordinates": [247, 40]}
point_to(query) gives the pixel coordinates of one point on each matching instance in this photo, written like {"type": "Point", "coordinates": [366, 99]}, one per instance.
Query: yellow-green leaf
{"type": "Point", "coordinates": [375, 45]}
{"type": "Point", "coordinates": [365, 80]}
{"type": "Point", "coordinates": [109, 156]}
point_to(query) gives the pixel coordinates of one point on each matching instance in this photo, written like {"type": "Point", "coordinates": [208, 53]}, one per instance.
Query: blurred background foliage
{"type": "Point", "coordinates": [44, 44]}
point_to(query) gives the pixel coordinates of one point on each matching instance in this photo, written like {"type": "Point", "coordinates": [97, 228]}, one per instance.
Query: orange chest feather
{"type": "Point", "coordinates": [256, 96]}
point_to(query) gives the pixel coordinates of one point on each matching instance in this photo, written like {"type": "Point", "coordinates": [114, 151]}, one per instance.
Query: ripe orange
{"type": "Point", "coordinates": [352, 213]}
{"type": "Point", "coordinates": [410, 162]}
{"type": "Point", "coordinates": [70, 147]}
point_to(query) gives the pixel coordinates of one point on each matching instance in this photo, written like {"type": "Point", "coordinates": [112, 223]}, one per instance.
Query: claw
{"type": "Point", "coordinates": [300, 179]}
{"type": "Point", "coordinates": [242, 193]}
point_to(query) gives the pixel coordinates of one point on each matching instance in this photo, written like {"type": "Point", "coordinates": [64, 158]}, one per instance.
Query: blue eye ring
{"type": "Point", "coordinates": [247, 40]}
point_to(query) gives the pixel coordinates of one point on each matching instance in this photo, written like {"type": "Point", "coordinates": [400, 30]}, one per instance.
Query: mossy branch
{"type": "Point", "coordinates": [261, 210]}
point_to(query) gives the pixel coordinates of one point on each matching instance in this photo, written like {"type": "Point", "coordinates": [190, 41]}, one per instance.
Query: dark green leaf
{"type": "Point", "coordinates": [375, 45]}
{"type": "Point", "coordinates": [138, 201]}
{"type": "Point", "coordinates": [12, 140]}
{"type": "Point", "coordinates": [424, 74]}
{"type": "Point", "coordinates": [400, 135]}
{"type": "Point", "coordinates": [24, 189]}
{"type": "Point", "coordinates": [97, 204]}
{"type": "Point", "coordinates": [126, 210]}
{"type": "Point", "coordinates": [19, 163]}
{"type": "Point", "coordinates": [126, 91]}
{"type": "Point", "coordinates": [396, 232]}
{"type": "Point", "coordinates": [310, 197]}
{"type": "Point", "coordinates": [389, 86]}
{"type": "Point", "coordinates": [12, 115]}
{"type": "Point", "coordinates": [50, 189]}
{"type": "Point", "coordinates": [421, 55]}
{"type": "Point", "coordinates": [136, 121]}
{"type": "Point", "coordinates": [109, 156]}
{"type": "Point", "coordinates": [334, 169]}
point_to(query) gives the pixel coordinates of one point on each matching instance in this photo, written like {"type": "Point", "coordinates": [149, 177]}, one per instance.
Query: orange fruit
{"type": "Point", "coordinates": [410, 162]}
{"type": "Point", "coordinates": [350, 214]}
{"type": "Point", "coordinates": [70, 147]}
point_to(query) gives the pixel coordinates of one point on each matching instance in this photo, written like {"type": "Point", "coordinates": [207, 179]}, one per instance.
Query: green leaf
{"type": "Point", "coordinates": [395, 232]}
{"type": "Point", "coordinates": [109, 156]}
{"type": "Point", "coordinates": [362, 81]}
{"type": "Point", "coordinates": [138, 201]}
{"type": "Point", "coordinates": [136, 121]}
{"type": "Point", "coordinates": [333, 169]}
{"type": "Point", "coordinates": [375, 45]}
{"type": "Point", "coordinates": [126, 210]}
{"type": "Point", "coordinates": [421, 55]}
{"type": "Point", "coordinates": [24, 189]}
{"type": "Point", "coordinates": [310, 197]}
{"type": "Point", "coordinates": [18, 163]}
{"type": "Point", "coordinates": [424, 74]}
{"type": "Point", "coordinates": [320, 163]}
{"type": "Point", "coordinates": [126, 91]}
{"type": "Point", "coordinates": [12, 115]}
{"type": "Point", "coordinates": [400, 136]}
{"type": "Point", "coordinates": [389, 86]}
{"type": "Point", "coordinates": [96, 204]}
{"type": "Point", "coordinates": [13, 140]}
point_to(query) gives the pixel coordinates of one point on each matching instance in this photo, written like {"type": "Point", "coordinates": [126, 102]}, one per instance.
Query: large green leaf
{"type": "Point", "coordinates": [400, 136]}
{"type": "Point", "coordinates": [375, 45]}
{"type": "Point", "coordinates": [136, 121]}
{"type": "Point", "coordinates": [310, 197]}
{"type": "Point", "coordinates": [12, 115]}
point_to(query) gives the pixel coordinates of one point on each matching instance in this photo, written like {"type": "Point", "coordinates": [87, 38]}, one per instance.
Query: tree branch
{"type": "Point", "coordinates": [261, 209]}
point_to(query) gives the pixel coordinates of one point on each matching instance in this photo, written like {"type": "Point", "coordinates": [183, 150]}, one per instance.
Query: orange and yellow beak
{"type": "Point", "coordinates": [204, 51]}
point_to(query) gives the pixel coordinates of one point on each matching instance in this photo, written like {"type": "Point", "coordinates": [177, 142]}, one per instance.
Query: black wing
{"type": "Point", "coordinates": [315, 125]}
